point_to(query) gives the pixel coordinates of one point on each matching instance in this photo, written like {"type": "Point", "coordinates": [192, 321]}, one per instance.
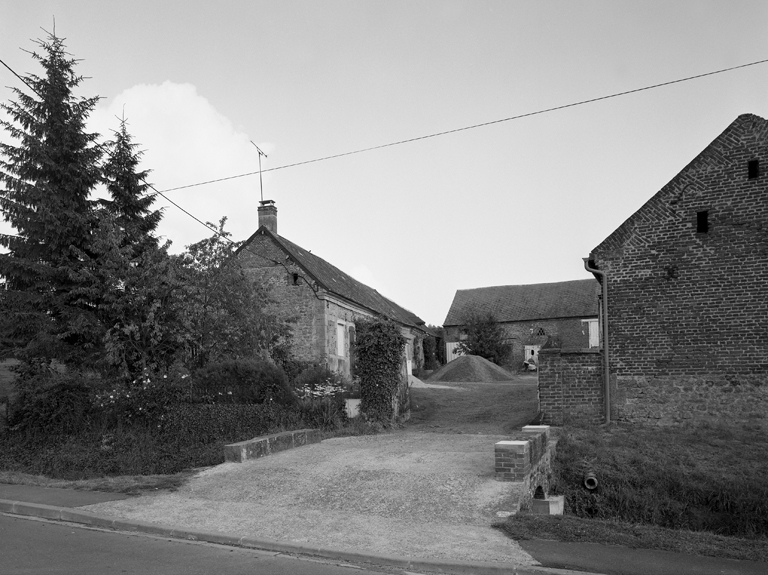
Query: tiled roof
{"type": "Point", "coordinates": [336, 281]}
{"type": "Point", "coordinates": [576, 298]}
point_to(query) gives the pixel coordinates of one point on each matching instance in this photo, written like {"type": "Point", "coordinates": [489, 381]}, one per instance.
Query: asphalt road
{"type": "Point", "coordinates": [41, 547]}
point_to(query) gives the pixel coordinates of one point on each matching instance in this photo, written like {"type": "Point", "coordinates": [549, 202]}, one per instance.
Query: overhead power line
{"type": "Point", "coordinates": [472, 127]}
{"type": "Point", "coordinates": [409, 140]}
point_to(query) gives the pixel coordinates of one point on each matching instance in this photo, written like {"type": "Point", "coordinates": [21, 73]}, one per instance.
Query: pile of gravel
{"type": "Point", "coordinates": [470, 368]}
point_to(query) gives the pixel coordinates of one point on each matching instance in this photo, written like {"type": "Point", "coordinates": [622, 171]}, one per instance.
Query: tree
{"type": "Point", "coordinates": [142, 304]}
{"type": "Point", "coordinates": [226, 310]}
{"type": "Point", "coordinates": [484, 337]}
{"type": "Point", "coordinates": [47, 179]}
{"type": "Point", "coordinates": [130, 204]}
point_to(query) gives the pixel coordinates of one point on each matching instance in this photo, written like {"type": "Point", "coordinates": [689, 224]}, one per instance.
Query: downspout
{"type": "Point", "coordinates": [606, 361]}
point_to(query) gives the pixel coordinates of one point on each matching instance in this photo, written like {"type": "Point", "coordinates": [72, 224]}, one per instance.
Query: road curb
{"type": "Point", "coordinates": [72, 515]}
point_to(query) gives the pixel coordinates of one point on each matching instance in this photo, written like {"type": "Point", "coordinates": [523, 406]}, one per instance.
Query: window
{"type": "Point", "coordinates": [702, 222]}
{"type": "Point", "coordinates": [594, 332]}
{"type": "Point", "coordinates": [541, 331]}
{"type": "Point", "coordinates": [341, 348]}
{"type": "Point", "coordinates": [753, 169]}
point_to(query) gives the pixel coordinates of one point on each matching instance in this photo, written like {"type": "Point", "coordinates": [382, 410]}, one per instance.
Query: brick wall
{"type": "Point", "coordinates": [565, 332]}
{"type": "Point", "coordinates": [525, 458]}
{"type": "Point", "coordinates": [688, 310]}
{"type": "Point", "coordinates": [571, 386]}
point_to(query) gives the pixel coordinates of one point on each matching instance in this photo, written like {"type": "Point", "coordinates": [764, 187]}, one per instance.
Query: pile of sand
{"type": "Point", "coordinates": [469, 368]}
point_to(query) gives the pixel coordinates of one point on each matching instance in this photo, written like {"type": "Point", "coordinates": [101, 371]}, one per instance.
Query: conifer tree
{"type": "Point", "coordinates": [46, 180]}
{"type": "Point", "coordinates": [130, 204]}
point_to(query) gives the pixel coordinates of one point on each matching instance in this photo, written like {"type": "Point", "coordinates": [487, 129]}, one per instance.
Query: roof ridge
{"type": "Point", "coordinates": [345, 285]}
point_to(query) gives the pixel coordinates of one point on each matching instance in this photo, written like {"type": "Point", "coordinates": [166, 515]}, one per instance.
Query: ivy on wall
{"type": "Point", "coordinates": [378, 361]}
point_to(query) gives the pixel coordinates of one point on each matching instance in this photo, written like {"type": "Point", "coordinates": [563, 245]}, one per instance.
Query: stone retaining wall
{"type": "Point", "coordinates": [269, 444]}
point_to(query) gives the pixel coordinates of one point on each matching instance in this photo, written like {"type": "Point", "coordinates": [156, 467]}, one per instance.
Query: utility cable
{"type": "Point", "coordinates": [472, 127]}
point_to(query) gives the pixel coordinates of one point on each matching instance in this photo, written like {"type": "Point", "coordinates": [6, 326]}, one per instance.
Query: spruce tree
{"type": "Point", "coordinates": [46, 180]}
{"type": "Point", "coordinates": [131, 203]}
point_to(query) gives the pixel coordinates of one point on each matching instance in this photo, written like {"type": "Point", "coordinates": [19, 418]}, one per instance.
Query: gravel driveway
{"type": "Point", "coordinates": [406, 493]}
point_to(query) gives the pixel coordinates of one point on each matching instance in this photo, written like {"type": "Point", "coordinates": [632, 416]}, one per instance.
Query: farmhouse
{"type": "Point", "coordinates": [320, 300]}
{"type": "Point", "coordinates": [556, 314]}
{"type": "Point", "coordinates": [687, 292]}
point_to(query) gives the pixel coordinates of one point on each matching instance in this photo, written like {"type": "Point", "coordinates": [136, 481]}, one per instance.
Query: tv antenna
{"type": "Point", "coordinates": [261, 184]}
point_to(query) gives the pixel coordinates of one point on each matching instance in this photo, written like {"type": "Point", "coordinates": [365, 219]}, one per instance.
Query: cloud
{"type": "Point", "coordinates": [185, 141]}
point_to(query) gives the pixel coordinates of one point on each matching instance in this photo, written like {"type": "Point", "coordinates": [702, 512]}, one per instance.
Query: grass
{"type": "Point", "coordinates": [485, 408]}
{"type": "Point", "coordinates": [698, 489]}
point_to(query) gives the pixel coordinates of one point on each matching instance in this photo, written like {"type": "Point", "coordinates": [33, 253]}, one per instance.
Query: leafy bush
{"type": "Point", "coordinates": [192, 435]}
{"type": "Point", "coordinates": [379, 351]}
{"type": "Point", "coordinates": [51, 401]}
{"type": "Point", "coordinates": [228, 423]}
{"type": "Point", "coordinates": [430, 353]}
{"type": "Point", "coordinates": [242, 381]}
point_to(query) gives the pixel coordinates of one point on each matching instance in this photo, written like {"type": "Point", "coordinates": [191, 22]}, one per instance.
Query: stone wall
{"type": "Point", "coordinates": [571, 386]}
{"type": "Point", "coordinates": [688, 302]}
{"type": "Point", "coordinates": [292, 298]}
{"type": "Point", "coordinates": [679, 399]}
{"type": "Point", "coordinates": [315, 317]}
{"type": "Point", "coordinates": [268, 444]}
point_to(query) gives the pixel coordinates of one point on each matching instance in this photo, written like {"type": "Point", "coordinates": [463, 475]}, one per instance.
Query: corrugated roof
{"type": "Point", "coordinates": [577, 298]}
{"type": "Point", "coordinates": [336, 281]}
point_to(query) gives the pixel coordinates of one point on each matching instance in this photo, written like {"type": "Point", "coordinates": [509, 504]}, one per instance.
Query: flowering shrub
{"type": "Point", "coordinates": [321, 397]}
{"type": "Point", "coordinates": [147, 399]}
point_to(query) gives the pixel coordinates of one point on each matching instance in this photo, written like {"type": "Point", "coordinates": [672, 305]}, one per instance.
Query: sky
{"type": "Point", "coordinates": [514, 202]}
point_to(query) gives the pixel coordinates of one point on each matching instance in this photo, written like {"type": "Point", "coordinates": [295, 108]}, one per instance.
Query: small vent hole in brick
{"type": "Point", "coordinates": [541, 331]}
{"type": "Point", "coordinates": [702, 222]}
{"type": "Point", "coordinates": [753, 169]}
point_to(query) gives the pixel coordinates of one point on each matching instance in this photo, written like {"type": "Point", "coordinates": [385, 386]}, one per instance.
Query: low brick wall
{"type": "Point", "coordinates": [571, 386]}
{"type": "Point", "coordinates": [269, 444]}
{"type": "Point", "coordinates": [526, 458]}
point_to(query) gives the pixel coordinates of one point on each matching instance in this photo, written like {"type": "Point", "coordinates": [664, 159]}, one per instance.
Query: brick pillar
{"type": "Point", "coordinates": [513, 460]}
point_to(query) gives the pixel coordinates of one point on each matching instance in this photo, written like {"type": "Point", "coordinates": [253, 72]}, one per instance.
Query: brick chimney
{"type": "Point", "coordinates": [268, 215]}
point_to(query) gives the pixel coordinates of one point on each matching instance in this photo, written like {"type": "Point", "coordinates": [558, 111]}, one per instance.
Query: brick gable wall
{"type": "Point", "coordinates": [688, 311]}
